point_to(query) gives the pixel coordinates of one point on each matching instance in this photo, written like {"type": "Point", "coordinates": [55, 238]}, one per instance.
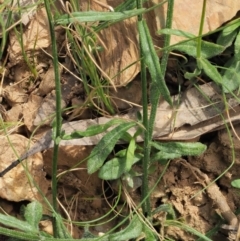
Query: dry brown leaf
{"type": "Point", "coordinates": [15, 185]}
{"type": "Point", "coordinates": [187, 15]}
{"type": "Point", "coordinates": [36, 36]}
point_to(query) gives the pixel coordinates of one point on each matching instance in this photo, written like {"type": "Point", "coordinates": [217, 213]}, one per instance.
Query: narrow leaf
{"type": "Point", "coordinates": [231, 76]}
{"type": "Point", "coordinates": [208, 49]}
{"type": "Point", "coordinates": [183, 148]}
{"type": "Point", "coordinates": [92, 130]}
{"type": "Point", "coordinates": [176, 32]}
{"type": "Point", "coordinates": [164, 156]}
{"type": "Point", "coordinates": [210, 70]}
{"type": "Point", "coordinates": [18, 224]}
{"type": "Point", "coordinates": [228, 34]}
{"type": "Point", "coordinates": [237, 47]}
{"type": "Point", "coordinates": [152, 61]}
{"type": "Point", "coordinates": [105, 146]}
{"type": "Point", "coordinates": [92, 16]}
{"type": "Point", "coordinates": [19, 235]}
{"type": "Point", "coordinates": [130, 154]}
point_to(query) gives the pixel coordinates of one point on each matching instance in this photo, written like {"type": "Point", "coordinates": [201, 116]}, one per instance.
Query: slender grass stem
{"type": "Point", "coordinates": [199, 40]}
{"type": "Point", "coordinates": [157, 88]}
{"type": "Point", "coordinates": [58, 119]}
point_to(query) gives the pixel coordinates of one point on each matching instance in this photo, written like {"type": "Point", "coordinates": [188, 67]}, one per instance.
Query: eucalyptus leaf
{"type": "Point", "coordinates": [105, 146]}
{"type": "Point", "coordinates": [132, 231]}
{"type": "Point", "coordinates": [93, 16]}
{"type": "Point", "coordinates": [33, 213]}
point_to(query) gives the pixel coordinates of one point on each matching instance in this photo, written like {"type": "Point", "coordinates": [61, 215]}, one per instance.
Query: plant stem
{"type": "Point", "coordinates": [199, 40]}
{"type": "Point", "coordinates": [154, 99]}
{"type": "Point", "coordinates": [167, 37]}
{"type": "Point", "coordinates": [58, 119]}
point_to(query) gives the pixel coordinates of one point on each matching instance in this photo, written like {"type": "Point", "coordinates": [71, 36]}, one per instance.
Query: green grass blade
{"type": "Point", "coordinates": [176, 32]}
{"type": "Point", "coordinates": [92, 16]}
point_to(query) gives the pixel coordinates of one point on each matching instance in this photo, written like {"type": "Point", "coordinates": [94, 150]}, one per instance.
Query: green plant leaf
{"type": "Point", "coordinates": [164, 156]}
{"type": "Point", "coordinates": [18, 224]}
{"type": "Point", "coordinates": [236, 183]}
{"type": "Point", "coordinates": [33, 213]}
{"type": "Point", "coordinates": [132, 231]}
{"type": "Point", "coordinates": [210, 70]}
{"type": "Point", "coordinates": [19, 235]}
{"type": "Point", "coordinates": [93, 130]}
{"type": "Point", "coordinates": [152, 62]}
{"type": "Point", "coordinates": [192, 75]}
{"type": "Point", "coordinates": [237, 46]}
{"type": "Point", "coordinates": [182, 148]}
{"type": "Point", "coordinates": [208, 49]}
{"type": "Point", "coordinates": [105, 146]}
{"type": "Point", "coordinates": [130, 154]}
{"type": "Point", "coordinates": [231, 76]}
{"type": "Point", "coordinates": [227, 40]}
{"type": "Point", "coordinates": [114, 168]}
{"type": "Point", "coordinates": [149, 235]}
{"type": "Point", "coordinates": [228, 34]}
{"type": "Point", "coordinates": [92, 16]}
{"type": "Point", "coordinates": [176, 32]}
